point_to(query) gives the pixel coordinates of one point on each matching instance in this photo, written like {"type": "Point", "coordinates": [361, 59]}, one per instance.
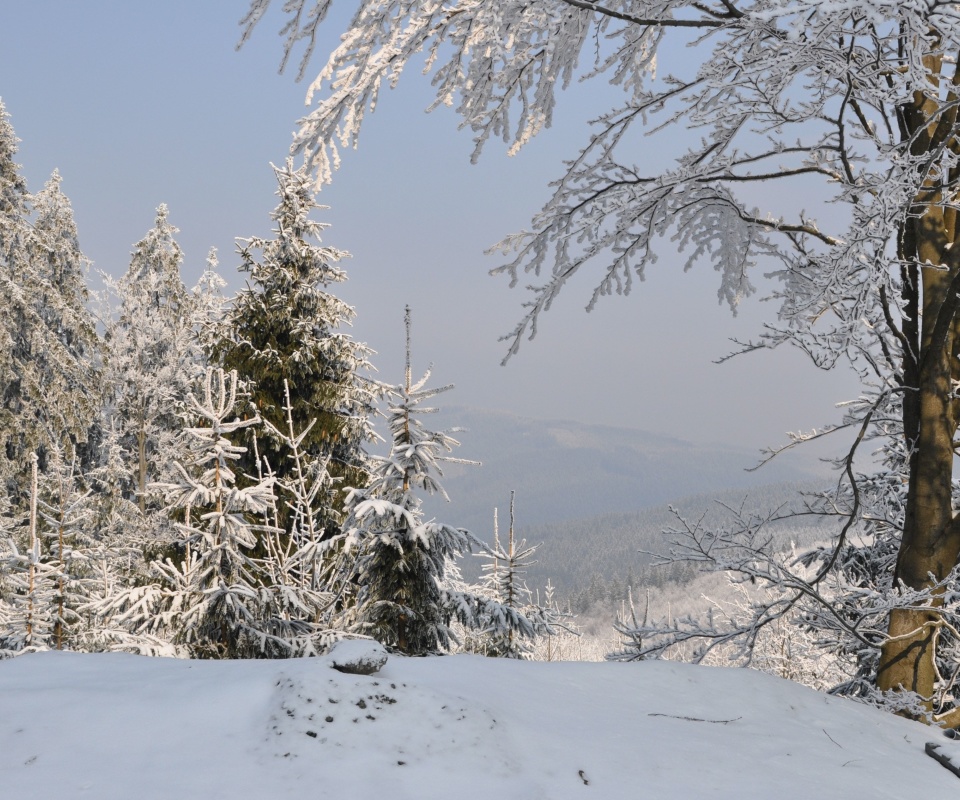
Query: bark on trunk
{"type": "Point", "coordinates": [142, 468]}
{"type": "Point", "coordinates": [931, 275]}
{"type": "Point", "coordinates": [931, 540]}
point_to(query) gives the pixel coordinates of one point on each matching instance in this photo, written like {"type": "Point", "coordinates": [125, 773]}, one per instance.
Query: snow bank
{"type": "Point", "coordinates": [119, 726]}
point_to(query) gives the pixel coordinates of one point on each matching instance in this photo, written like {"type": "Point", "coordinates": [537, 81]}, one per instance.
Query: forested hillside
{"type": "Point", "coordinates": [596, 558]}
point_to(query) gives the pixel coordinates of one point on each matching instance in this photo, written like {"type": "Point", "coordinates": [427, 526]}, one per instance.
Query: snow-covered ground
{"type": "Point", "coordinates": [132, 728]}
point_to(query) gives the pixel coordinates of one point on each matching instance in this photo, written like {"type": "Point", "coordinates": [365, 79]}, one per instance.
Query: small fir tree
{"type": "Point", "coordinates": [209, 305]}
{"type": "Point", "coordinates": [303, 491]}
{"type": "Point", "coordinates": [508, 617]}
{"type": "Point", "coordinates": [216, 575]}
{"type": "Point", "coordinates": [30, 620]}
{"type": "Point", "coordinates": [65, 510]}
{"type": "Point", "coordinates": [218, 600]}
{"type": "Point", "coordinates": [402, 561]}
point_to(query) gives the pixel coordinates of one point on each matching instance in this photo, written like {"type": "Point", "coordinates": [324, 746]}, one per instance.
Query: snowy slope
{"type": "Point", "coordinates": [120, 726]}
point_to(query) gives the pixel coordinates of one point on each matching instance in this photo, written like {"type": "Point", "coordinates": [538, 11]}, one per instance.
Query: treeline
{"type": "Point", "coordinates": [607, 593]}
{"type": "Point", "coordinates": [183, 473]}
{"type": "Point", "coordinates": [614, 548]}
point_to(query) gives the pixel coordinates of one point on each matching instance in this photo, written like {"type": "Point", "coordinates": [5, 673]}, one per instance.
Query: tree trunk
{"type": "Point", "coordinates": [931, 538]}
{"type": "Point", "coordinates": [142, 467]}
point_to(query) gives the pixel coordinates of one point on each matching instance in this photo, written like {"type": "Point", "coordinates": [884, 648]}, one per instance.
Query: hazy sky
{"type": "Point", "coordinates": [143, 103]}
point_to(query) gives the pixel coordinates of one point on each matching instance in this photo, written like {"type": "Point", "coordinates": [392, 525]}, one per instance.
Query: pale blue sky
{"type": "Point", "coordinates": [143, 103]}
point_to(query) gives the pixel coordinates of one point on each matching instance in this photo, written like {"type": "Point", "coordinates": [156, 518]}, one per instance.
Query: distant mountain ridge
{"type": "Point", "coordinates": [563, 470]}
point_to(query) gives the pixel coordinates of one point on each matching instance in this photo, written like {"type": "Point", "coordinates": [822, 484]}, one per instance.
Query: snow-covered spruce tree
{"type": "Point", "coordinates": [209, 305]}
{"type": "Point", "coordinates": [115, 519]}
{"type": "Point", "coordinates": [303, 554]}
{"type": "Point", "coordinates": [117, 544]}
{"type": "Point", "coordinates": [14, 210]}
{"type": "Point", "coordinates": [401, 559]}
{"type": "Point", "coordinates": [56, 548]}
{"type": "Point", "coordinates": [857, 102]}
{"type": "Point", "coordinates": [69, 545]}
{"type": "Point", "coordinates": [49, 367]}
{"type": "Point", "coordinates": [69, 365]}
{"type": "Point", "coordinates": [499, 630]}
{"type": "Point", "coordinates": [152, 357]}
{"type": "Point", "coordinates": [215, 600]}
{"type": "Point", "coordinates": [115, 547]}
{"type": "Point", "coordinates": [31, 618]}
{"type": "Point", "coordinates": [407, 585]}
{"type": "Point", "coordinates": [285, 330]}
{"type": "Point", "coordinates": [13, 188]}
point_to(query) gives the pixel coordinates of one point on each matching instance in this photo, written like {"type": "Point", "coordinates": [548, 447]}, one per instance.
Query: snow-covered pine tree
{"type": "Point", "coordinates": [48, 344]}
{"type": "Point", "coordinates": [304, 491]}
{"type": "Point", "coordinates": [115, 546]}
{"type": "Point", "coordinates": [215, 601]}
{"type": "Point", "coordinates": [14, 231]}
{"type": "Point", "coordinates": [152, 357]}
{"type": "Point", "coordinates": [31, 601]}
{"type": "Point", "coordinates": [69, 367]}
{"type": "Point", "coordinates": [508, 618]}
{"type": "Point", "coordinates": [209, 304]}
{"type": "Point", "coordinates": [402, 560]}
{"type": "Point", "coordinates": [285, 329]}
{"type": "Point", "coordinates": [65, 511]}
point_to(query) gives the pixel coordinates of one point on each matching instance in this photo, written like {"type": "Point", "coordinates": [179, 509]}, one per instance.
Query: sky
{"type": "Point", "coordinates": [111, 726]}
{"type": "Point", "coordinates": [140, 103]}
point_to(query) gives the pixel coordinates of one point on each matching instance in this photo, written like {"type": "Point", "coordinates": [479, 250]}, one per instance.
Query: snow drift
{"type": "Point", "coordinates": [119, 726]}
